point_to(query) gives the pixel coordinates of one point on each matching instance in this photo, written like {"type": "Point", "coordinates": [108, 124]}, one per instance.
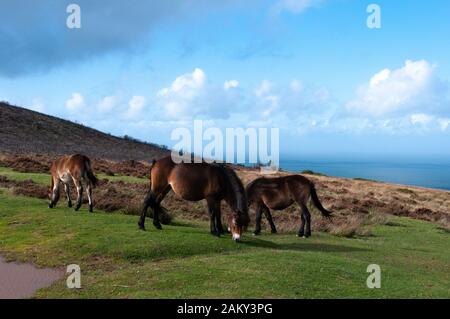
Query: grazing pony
{"type": "Point", "coordinates": [280, 193]}
{"type": "Point", "coordinates": [76, 168]}
{"type": "Point", "coordinates": [194, 182]}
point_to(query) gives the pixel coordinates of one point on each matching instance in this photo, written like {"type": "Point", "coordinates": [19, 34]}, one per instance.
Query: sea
{"type": "Point", "coordinates": [430, 175]}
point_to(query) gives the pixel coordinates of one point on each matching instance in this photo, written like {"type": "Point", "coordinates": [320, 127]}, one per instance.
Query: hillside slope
{"type": "Point", "coordinates": [23, 131]}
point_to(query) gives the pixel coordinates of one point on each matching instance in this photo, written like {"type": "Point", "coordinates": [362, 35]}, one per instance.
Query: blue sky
{"type": "Point", "coordinates": [313, 68]}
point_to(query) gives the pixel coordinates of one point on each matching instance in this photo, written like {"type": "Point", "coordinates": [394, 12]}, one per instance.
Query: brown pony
{"type": "Point", "coordinates": [280, 193]}
{"type": "Point", "coordinates": [76, 168]}
{"type": "Point", "coordinates": [194, 182]}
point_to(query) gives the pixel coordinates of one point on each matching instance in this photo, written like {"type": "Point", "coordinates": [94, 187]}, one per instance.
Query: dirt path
{"type": "Point", "coordinates": [22, 280]}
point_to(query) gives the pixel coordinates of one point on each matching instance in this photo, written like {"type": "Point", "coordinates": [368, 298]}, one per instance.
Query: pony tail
{"type": "Point", "coordinates": [150, 170]}
{"type": "Point", "coordinates": [317, 203]}
{"type": "Point", "coordinates": [92, 178]}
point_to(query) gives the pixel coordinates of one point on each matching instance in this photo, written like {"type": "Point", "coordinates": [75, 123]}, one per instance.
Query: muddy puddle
{"type": "Point", "coordinates": [23, 280]}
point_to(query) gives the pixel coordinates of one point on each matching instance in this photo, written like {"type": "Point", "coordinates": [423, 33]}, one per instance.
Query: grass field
{"type": "Point", "coordinates": [184, 260]}
{"type": "Point", "coordinates": [44, 179]}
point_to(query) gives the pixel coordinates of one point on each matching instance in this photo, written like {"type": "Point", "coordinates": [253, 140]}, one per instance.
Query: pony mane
{"type": "Point", "coordinates": [238, 199]}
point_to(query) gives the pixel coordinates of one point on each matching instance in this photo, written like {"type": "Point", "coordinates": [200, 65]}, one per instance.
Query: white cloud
{"type": "Point", "coordinates": [135, 106]}
{"type": "Point", "coordinates": [178, 100]}
{"type": "Point", "coordinates": [266, 99]}
{"type": "Point", "coordinates": [107, 103]}
{"type": "Point", "coordinates": [76, 102]}
{"type": "Point", "coordinates": [186, 85]}
{"type": "Point", "coordinates": [409, 88]}
{"type": "Point", "coordinates": [422, 119]}
{"type": "Point", "coordinates": [294, 6]}
{"type": "Point", "coordinates": [444, 123]}
{"type": "Point", "coordinates": [263, 88]}
{"type": "Point", "coordinates": [190, 95]}
{"type": "Point", "coordinates": [231, 84]}
{"type": "Point", "coordinates": [296, 86]}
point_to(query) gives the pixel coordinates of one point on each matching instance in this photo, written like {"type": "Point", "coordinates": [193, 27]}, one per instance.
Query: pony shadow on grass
{"type": "Point", "coordinates": [302, 245]}
{"type": "Point", "coordinates": [248, 240]}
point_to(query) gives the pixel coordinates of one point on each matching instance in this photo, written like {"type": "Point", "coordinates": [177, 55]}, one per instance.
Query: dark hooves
{"type": "Point", "coordinates": [273, 231]}
{"type": "Point", "coordinates": [256, 233]}
{"type": "Point", "coordinates": [141, 227]}
{"type": "Point", "coordinates": [157, 226]}
{"type": "Point", "coordinates": [69, 204]}
{"type": "Point", "coordinates": [215, 234]}
{"type": "Point", "coordinates": [91, 209]}
{"type": "Point", "coordinates": [50, 206]}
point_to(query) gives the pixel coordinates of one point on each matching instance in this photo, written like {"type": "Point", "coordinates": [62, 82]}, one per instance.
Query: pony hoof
{"type": "Point", "coordinates": [141, 226]}
{"type": "Point", "coordinates": [69, 204]}
{"type": "Point", "coordinates": [50, 206]}
{"type": "Point", "coordinates": [273, 231]}
{"type": "Point", "coordinates": [157, 226]}
{"type": "Point", "coordinates": [256, 233]}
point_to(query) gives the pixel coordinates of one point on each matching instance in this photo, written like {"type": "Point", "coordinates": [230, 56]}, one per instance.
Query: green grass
{"type": "Point", "coordinates": [39, 178]}
{"type": "Point", "coordinates": [119, 261]}
{"type": "Point", "coordinates": [44, 179]}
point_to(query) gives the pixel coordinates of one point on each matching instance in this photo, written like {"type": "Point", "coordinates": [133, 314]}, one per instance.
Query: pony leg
{"type": "Point", "coordinates": [219, 225]}
{"type": "Point", "coordinates": [268, 215]}
{"type": "Point", "coordinates": [89, 195]}
{"type": "Point", "coordinates": [212, 210]}
{"type": "Point", "coordinates": [149, 200]}
{"type": "Point", "coordinates": [212, 222]}
{"type": "Point", "coordinates": [55, 195]}
{"type": "Point", "coordinates": [306, 220]}
{"type": "Point", "coordinates": [153, 201]}
{"type": "Point", "coordinates": [157, 207]}
{"type": "Point", "coordinates": [301, 231]}
{"type": "Point", "coordinates": [67, 190]}
{"type": "Point", "coordinates": [258, 221]}
{"type": "Point", "coordinates": [79, 187]}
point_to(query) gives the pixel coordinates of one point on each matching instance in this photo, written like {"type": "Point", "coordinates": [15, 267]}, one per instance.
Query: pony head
{"type": "Point", "coordinates": [237, 223]}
